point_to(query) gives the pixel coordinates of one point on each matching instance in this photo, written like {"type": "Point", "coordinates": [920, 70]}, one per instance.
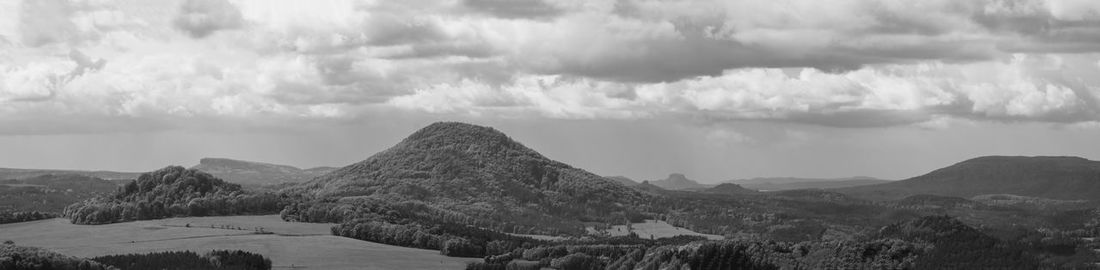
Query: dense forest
{"type": "Point", "coordinates": [30, 258]}
{"type": "Point", "coordinates": [933, 242]}
{"type": "Point", "coordinates": [188, 260]}
{"type": "Point", "coordinates": [15, 217]}
{"type": "Point", "coordinates": [172, 191]}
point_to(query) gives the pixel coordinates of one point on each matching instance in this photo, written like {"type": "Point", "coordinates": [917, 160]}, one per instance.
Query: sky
{"type": "Point", "coordinates": [714, 89]}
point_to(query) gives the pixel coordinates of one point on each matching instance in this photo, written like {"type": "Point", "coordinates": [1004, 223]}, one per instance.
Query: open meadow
{"type": "Point", "coordinates": [288, 245]}
{"type": "Point", "coordinates": [653, 229]}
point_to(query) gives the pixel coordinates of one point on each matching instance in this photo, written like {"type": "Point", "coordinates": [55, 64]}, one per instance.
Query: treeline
{"type": "Point", "coordinates": [169, 192]}
{"type": "Point", "coordinates": [188, 260]}
{"type": "Point", "coordinates": [704, 255]}
{"type": "Point", "coordinates": [16, 217]}
{"type": "Point", "coordinates": [450, 239]}
{"type": "Point", "coordinates": [329, 210]}
{"type": "Point", "coordinates": [30, 258]}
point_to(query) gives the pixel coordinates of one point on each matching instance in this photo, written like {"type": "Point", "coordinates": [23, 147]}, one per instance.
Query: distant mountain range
{"type": "Point", "coordinates": [1062, 178]}
{"type": "Point", "coordinates": [789, 183]}
{"type": "Point", "coordinates": [257, 173]}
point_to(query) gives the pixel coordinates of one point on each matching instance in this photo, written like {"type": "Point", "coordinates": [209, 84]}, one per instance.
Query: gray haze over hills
{"type": "Point", "coordinates": [257, 173]}
{"type": "Point", "coordinates": [677, 181]}
{"type": "Point", "coordinates": [234, 171]}
{"type": "Point", "coordinates": [788, 183]}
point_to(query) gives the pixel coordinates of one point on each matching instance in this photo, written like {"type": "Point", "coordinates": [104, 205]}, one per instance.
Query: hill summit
{"type": "Point", "coordinates": [475, 170]}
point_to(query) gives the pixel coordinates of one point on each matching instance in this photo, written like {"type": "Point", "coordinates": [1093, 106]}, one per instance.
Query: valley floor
{"type": "Point", "coordinates": [298, 245]}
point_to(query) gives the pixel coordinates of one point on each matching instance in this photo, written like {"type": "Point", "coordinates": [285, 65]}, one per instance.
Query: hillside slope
{"type": "Point", "coordinates": [1064, 178]}
{"type": "Point", "coordinates": [477, 171]}
{"type": "Point", "coordinates": [257, 173]}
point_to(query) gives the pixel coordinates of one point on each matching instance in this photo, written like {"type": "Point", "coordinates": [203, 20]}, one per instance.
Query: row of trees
{"type": "Point", "coordinates": [24, 216]}
{"type": "Point", "coordinates": [450, 239]}
{"type": "Point", "coordinates": [188, 260]}
{"type": "Point", "coordinates": [396, 210]}
{"type": "Point", "coordinates": [103, 211]}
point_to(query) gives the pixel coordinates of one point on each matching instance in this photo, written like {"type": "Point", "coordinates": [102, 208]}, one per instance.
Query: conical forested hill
{"type": "Point", "coordinates": [468, 167]}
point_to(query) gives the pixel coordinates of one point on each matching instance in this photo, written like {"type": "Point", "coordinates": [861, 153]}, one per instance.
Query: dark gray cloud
{"type": "Point", "coordinates": [201, 18]}
{"type": "Point", "coordinates": [46, 22]}
{"type": "Point", "coordinates": [515, 9]}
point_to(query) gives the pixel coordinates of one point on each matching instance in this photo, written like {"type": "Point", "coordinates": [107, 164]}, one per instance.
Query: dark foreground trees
{"type": "Point", "coordinates": [16, 217]}
{"type": "Point", "coordinates": [187, 260]}
{"type": "Point", "coordinates": [14, 257]}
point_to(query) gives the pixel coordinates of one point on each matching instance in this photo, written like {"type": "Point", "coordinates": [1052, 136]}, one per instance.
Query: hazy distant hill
{"type": "Point", "coordinates": [10, 173]}
{"type": "Point", "coordinates": [623, 180]}
{"type": "Point", "coordinates": [477, 171]}
{"type": "Point", "coordinates": [731, 189]}
{"type": "Point", "coordinates": [257, 173]}
{"type": "Point", "coordinates": [50, 193]}
{"type": "Point", "coordinates": [678, 181]}
{"type": "Point", "coordinates": [1064, 178]}
{"type": "Point", "coordinates": [788, 183]}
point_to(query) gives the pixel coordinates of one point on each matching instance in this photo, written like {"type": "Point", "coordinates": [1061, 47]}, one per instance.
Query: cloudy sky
{"type": "Point", "coordinates": [715, 89]}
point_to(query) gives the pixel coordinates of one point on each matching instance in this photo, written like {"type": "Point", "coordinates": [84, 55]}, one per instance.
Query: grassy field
{"type": "Point", "coordinates": [656, 229]}
{"type": "Point", "coordinates": [298, 245]}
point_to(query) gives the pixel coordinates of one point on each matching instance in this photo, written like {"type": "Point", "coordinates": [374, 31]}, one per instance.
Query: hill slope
{"type": "Point", "coordinates": [257, 173]}
{"type": "Point", "coordinates": [478, 171]}
{"type": "Point", "coordinates": [1064, 178]}
{"type": "Point", "coordinates": [626, 181]}
{"type": "Point", "coordinates": [730, 189]}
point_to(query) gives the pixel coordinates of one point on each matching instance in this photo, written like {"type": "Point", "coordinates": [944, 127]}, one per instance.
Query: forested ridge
{"type": "Point", "coordinates": [172, 191]}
